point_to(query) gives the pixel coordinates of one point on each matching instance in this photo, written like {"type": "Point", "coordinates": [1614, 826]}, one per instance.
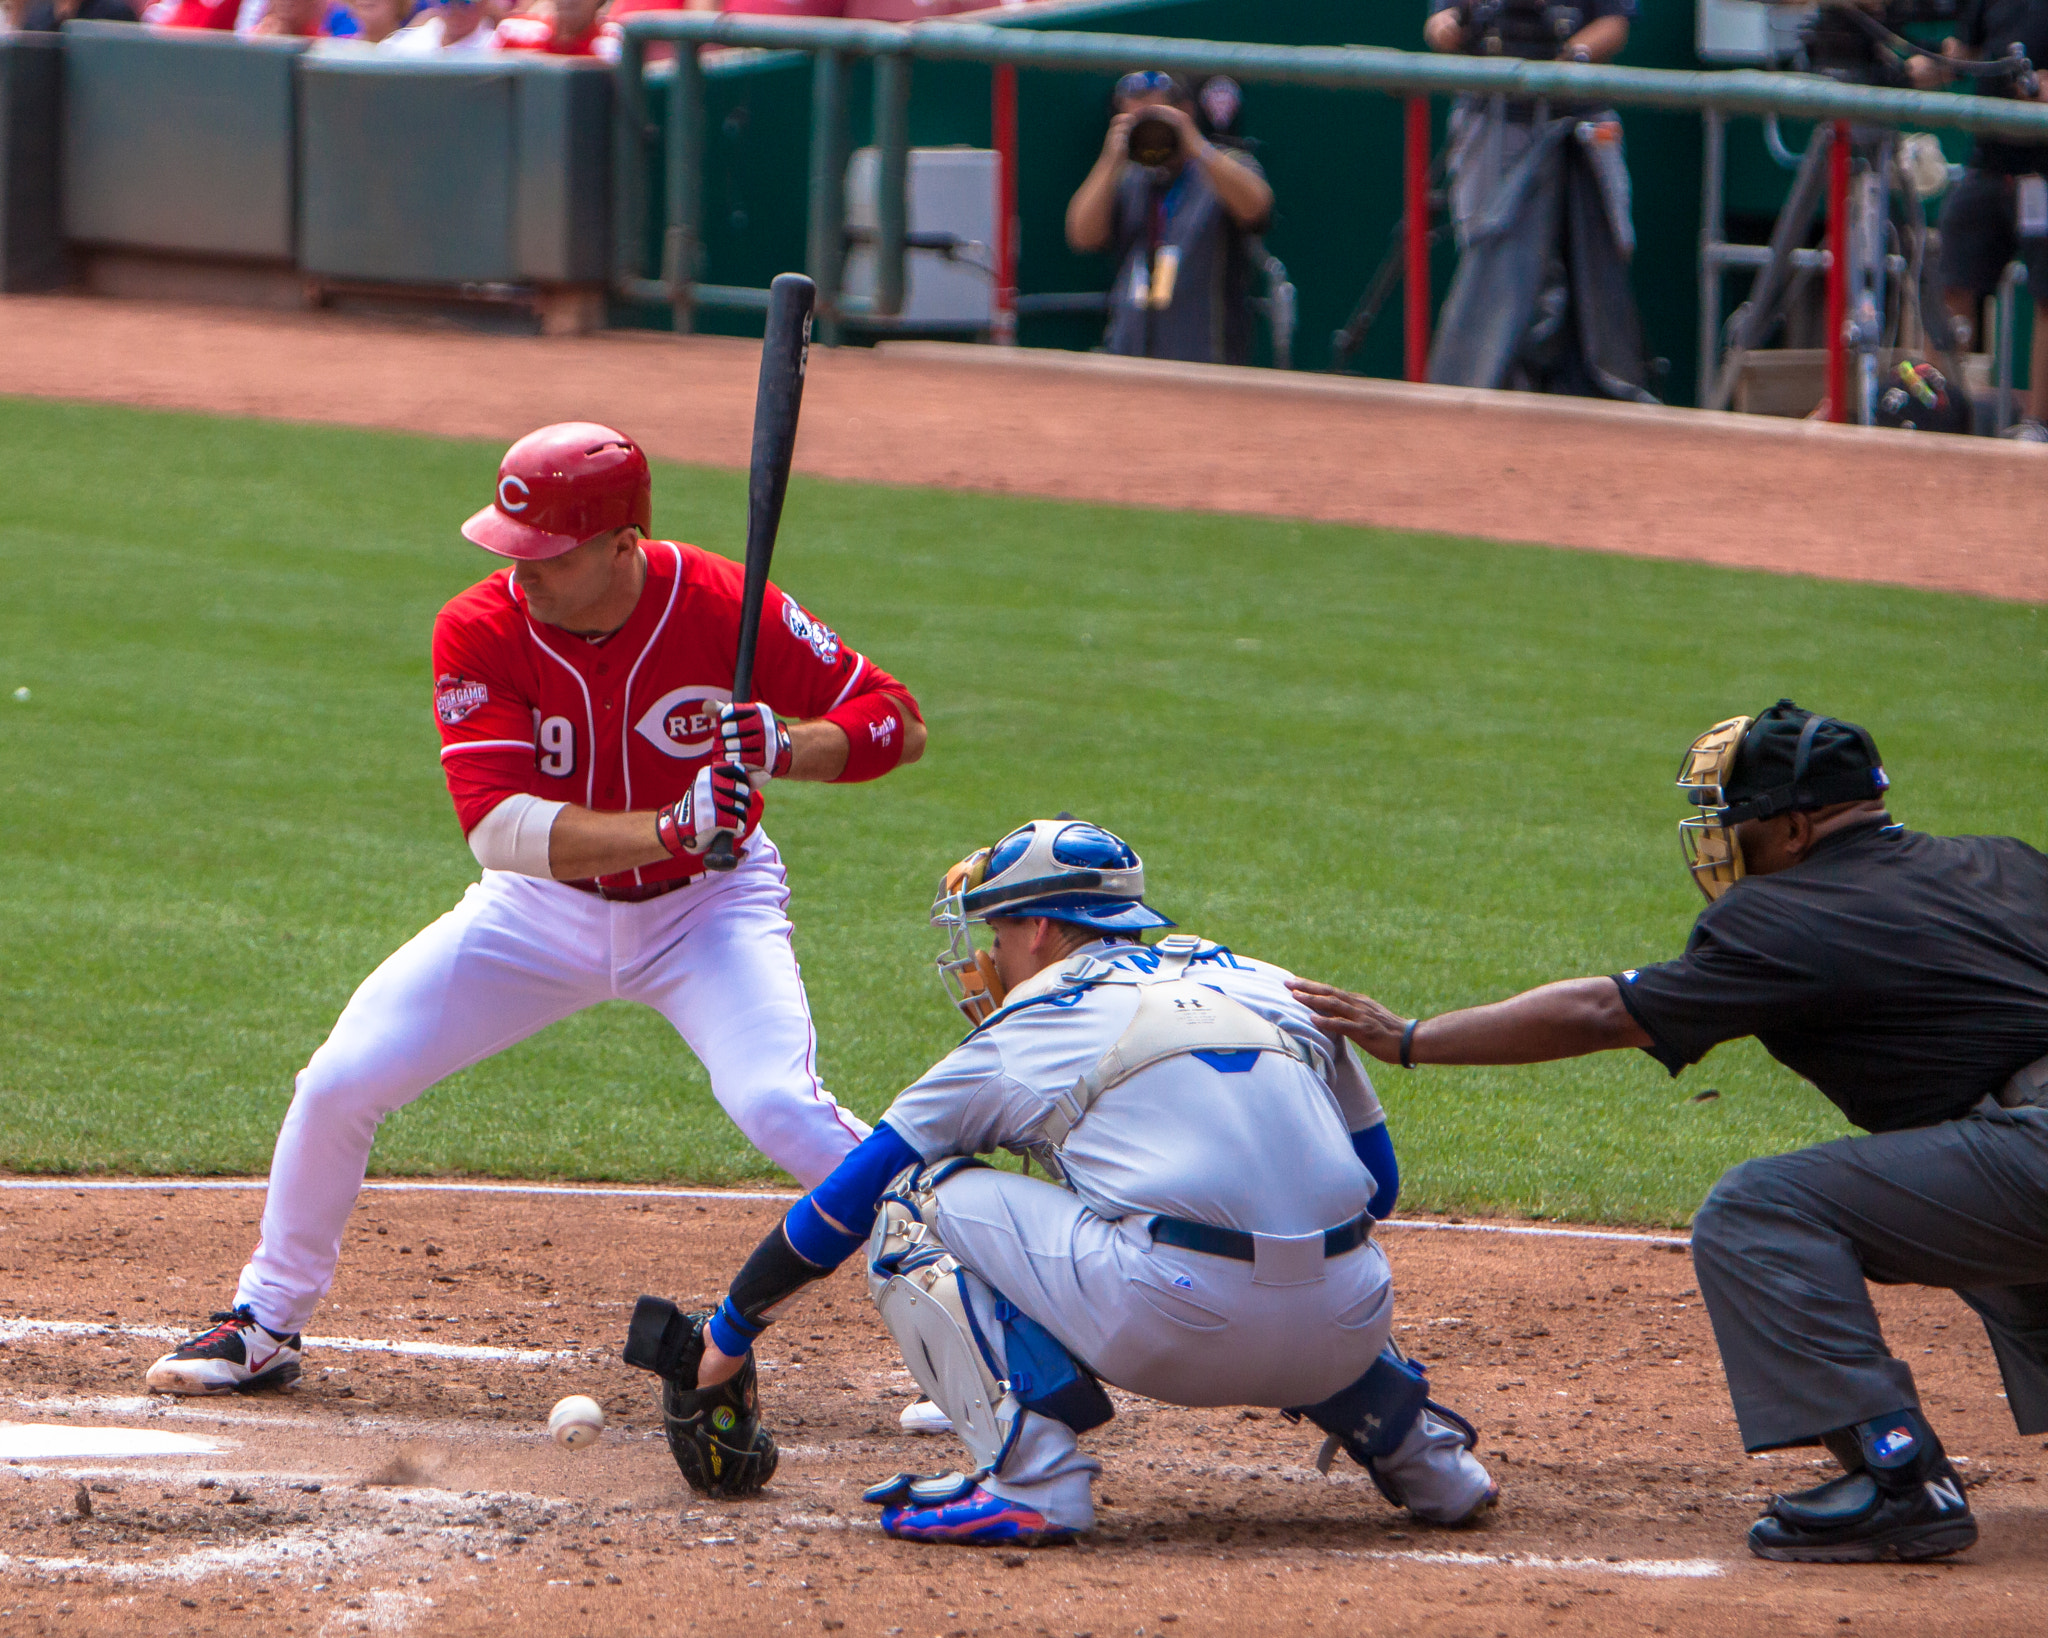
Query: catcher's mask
{"type": "Point", "coordinates": [1064, 869]}
{"type": "Point", "coordinates": [1784, 761]}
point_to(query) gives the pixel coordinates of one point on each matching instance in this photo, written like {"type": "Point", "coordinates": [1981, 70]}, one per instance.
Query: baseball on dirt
{"type": "Point", "coordinates": [576, 1421]}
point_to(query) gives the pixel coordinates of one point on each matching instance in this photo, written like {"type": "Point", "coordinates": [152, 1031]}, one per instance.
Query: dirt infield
{"type": "Point", "coordinates": [399, 1492]}
{"type": "Point", "coordinates": [1945, 513]}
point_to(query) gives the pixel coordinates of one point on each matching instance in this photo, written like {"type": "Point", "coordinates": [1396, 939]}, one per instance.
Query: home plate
{"type": "Point", "coordinates": [49, 1441]}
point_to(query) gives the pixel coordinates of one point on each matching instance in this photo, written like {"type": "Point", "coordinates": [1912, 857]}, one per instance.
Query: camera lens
{"type": "Point", "coordinates": [1154, 141]}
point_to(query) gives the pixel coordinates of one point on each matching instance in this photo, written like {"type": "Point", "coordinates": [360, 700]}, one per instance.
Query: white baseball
{"type": "Point", "coordinates": [22, 695]}
{"type": "Point", "coordinates": [576, 1421]}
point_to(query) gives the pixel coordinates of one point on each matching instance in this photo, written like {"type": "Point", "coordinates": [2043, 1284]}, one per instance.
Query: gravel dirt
{"type": "Point", "coordinates": [1957, 514]}
{"type": "Point", "coordinates": [388, 1493]}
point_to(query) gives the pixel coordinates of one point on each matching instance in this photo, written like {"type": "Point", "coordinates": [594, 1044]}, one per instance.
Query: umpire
{"type": "Point", "coordinates": [1906, 976]}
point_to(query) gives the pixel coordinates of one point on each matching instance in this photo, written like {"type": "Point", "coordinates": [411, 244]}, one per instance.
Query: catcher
{"type": "Point", "coordinates": [1906, 976]}
{"type": "Point", "coordinates": [1207, 1241]}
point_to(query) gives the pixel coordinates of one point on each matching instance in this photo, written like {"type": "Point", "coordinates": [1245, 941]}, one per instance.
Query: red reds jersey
{"type": "Point", "coordinates": [624, 723]}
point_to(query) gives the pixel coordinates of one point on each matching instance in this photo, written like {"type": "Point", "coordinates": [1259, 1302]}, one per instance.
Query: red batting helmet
{"type": "Point", "coordinates": [559, 486]}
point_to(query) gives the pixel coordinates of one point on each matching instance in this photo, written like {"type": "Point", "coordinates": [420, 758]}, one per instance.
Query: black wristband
{"type": "Point", "coordinates": [1408, 1044]}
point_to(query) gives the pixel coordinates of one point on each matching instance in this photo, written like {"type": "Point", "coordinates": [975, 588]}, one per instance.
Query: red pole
{"type": "Point", "coordinates": [1416, 281]}
{"type": "Point", "coordinates": [1838, 273]}
{"type": "Point", "coordinates": [1003, 123]}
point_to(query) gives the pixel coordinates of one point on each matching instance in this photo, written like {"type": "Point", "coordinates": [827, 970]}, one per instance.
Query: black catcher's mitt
{"type": "Point", "coordinates": [715, 1434]}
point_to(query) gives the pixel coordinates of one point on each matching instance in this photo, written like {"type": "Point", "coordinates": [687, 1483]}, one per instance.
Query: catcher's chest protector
{"type": "Point", "coordinates": [1176, 1017]}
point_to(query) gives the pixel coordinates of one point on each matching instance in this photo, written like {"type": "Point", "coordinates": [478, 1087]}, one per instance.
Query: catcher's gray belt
{"type": "Point", "coordinates": [2027, 1088]}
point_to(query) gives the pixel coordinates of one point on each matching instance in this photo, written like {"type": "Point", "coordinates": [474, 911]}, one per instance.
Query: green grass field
{"type": "Point", "coordinates": [1436, 768]}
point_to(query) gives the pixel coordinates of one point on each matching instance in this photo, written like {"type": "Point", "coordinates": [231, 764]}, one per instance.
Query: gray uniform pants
{"type": "Point", "coordinates": [1783, 1248]}
{"type": "Point", "coordinates": [1176, 1326]}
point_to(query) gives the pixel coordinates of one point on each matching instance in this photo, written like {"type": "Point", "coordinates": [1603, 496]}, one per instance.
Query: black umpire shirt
{"type": "Point", "coordinates": [1990, 28]}
{"type": "Point", "coordinates": [1905, 975]}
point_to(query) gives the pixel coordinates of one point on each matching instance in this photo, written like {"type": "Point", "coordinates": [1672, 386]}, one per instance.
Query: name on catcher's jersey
{"type": "Point", "coordinates": [625, 722]}
{"type": "Point", "coordinates": [1259, 1142]}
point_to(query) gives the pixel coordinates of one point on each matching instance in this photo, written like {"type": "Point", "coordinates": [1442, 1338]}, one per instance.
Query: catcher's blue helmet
{"type": "Point", "coordinates": [1066, 870]}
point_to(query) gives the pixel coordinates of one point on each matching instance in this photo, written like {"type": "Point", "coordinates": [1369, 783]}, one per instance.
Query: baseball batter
{"type": "Point", "coordinates": [593, 751]}
{"type": "Point", "coordinates": [1208, 1240]}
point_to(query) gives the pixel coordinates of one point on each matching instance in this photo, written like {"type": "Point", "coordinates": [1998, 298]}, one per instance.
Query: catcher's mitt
{"type": "Point", "coordinates": [715, 1434]}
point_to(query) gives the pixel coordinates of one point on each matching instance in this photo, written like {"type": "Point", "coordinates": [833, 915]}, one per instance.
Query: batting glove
{"type": "Point", "coordinates": [719, 798]}
{"type": "Point", "coordinates": [753, 738]}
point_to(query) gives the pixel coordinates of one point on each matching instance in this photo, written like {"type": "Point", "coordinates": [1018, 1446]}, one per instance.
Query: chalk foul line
{"type": "Point", "coordinates": [169, 1185]}
{"type": "Point", "coordinates": [12, 1329]}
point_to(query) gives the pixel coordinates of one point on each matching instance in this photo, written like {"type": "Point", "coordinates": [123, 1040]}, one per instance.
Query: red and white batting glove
{"type": "Point", "coordinates": [719, 798]}
{"type": "Point", "coordinates": [752, 737]}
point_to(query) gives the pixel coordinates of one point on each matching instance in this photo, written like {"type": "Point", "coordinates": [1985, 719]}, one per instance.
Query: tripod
{"type": "Point", "coordinates": [1872, 269]}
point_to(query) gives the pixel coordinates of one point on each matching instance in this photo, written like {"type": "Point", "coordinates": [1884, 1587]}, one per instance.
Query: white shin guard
{"type": "Point", "coordinates": [942, 1316]}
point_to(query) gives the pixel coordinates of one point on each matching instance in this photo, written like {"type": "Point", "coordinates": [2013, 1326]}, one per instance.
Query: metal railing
{"type": "Point", "coordinates": [1416, 75]}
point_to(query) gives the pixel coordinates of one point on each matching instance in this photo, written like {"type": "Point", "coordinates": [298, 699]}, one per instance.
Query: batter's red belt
{"type": "Point", "coordinates": [632, 895]}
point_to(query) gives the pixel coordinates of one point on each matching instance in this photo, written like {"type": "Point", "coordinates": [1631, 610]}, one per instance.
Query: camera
{"type": "Point", "coordinates": [1534, 30]}
{"type": "Point", "coordinates": [1858, 43]}
{"type": "Point", "coordinates": [1153, 141]}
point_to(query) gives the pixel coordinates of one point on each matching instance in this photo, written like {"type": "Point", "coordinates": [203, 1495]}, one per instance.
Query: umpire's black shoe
{"type": "Point", "coordinates": [1855, 1520]}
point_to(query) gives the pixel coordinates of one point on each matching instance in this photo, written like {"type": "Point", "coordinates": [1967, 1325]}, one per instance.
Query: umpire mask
{"type": "Point", "coordinates": [1785, 761]}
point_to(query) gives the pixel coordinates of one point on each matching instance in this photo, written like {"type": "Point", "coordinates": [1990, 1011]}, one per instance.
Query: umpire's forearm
{"type": "Point", "coordinates": [1567, 1019]}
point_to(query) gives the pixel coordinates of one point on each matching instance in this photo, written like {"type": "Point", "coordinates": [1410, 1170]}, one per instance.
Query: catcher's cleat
{"type": "Point", "coordinates": [924, 1417]}
{"type": "Point", "coordinates": [977, 1519]}
{"type": "Point", "coordinates": [1856, 1520]}
{"type": "Point", "coordinates": [237, 1355]}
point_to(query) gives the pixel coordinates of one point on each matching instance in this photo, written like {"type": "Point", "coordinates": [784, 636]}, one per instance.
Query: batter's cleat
{"type": "Point", "coordinates": [237, 1355]}
{"type": "Point", "coordinates": [977, 1519]}
{"type": "Point", "coordinates": [924, 1417]}
{"type": "Point", "coordinates": [1855, 1520]}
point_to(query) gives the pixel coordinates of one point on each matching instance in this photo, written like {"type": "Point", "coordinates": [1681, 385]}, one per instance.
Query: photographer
{"type": "Point", "coordinates": [1177, 210]}
{"type": "Point", "coordinates": [1539, 197]}
{"type": "Point", "coordinates": [2000, 208]}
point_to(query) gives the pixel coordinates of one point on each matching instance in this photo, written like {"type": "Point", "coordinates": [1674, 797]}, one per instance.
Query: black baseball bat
{"type": "Point", "coordinates": [785, 348]}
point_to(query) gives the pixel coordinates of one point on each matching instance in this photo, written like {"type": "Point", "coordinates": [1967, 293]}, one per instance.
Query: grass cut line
{"type": "Point", "coordinates": [225, 806]}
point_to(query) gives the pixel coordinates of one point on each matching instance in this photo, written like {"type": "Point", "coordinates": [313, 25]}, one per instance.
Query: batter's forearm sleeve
{"type": "Point", "coordinates": [1375, 1146]}
{"type": "Point", "coordinates": [822, 1230]}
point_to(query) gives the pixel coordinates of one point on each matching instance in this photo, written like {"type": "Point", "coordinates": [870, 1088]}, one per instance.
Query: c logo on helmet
{"type": "Point", "coordinates": [506, 487]}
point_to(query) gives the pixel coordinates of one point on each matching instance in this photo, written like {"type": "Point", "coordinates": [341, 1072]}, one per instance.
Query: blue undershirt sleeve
{"type": "Point", "coordinates": [849, 1197]}
{"type": "Point", "coordinates": [1375, 1146]}
{"type": "Point", "coordinates": [822, 1230]}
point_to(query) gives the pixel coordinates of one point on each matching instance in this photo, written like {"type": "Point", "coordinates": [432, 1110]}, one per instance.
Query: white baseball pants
{"type": "Point", "coordinates": [516, 955]}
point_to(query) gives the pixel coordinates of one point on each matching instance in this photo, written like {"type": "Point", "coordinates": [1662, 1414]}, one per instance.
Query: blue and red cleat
{"type": "Point", "coordinates": [977, 1519]}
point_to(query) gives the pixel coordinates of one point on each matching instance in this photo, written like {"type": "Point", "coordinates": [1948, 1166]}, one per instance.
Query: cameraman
{"type": "Point", "coordinates": [2000, 208]}
{"type": "Point", "coordinates": [1179, 227]}
{"type": "Point", "coordinates": [1523, 170]}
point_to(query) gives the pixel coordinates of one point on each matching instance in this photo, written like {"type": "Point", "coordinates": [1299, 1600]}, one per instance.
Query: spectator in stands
{"type": "Point", "coordinates": [378, 20]}
{"type": "Point", "coordinates": [1999, 210]}
{"type": "Point", "coordinates": [561, 28]}
{"type": "Point", "coordinates": [1541, 206]}
{"type": "Point", "coordinates": [609, 32]}
{"type": "Point", "coordinates": [1179, 225]}
{"type": "Point", "coordinates": [47, 16]}
{"type": "Point", "coordinates": [453, 25]}
{"type": "Point", "coordinates": [219, 14]}
{"type": "Point", "coordinates": [297, 20]}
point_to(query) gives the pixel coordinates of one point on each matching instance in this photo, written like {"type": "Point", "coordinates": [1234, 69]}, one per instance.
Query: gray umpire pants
{"type": "Point", "coordinates": [1784, 1247]}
